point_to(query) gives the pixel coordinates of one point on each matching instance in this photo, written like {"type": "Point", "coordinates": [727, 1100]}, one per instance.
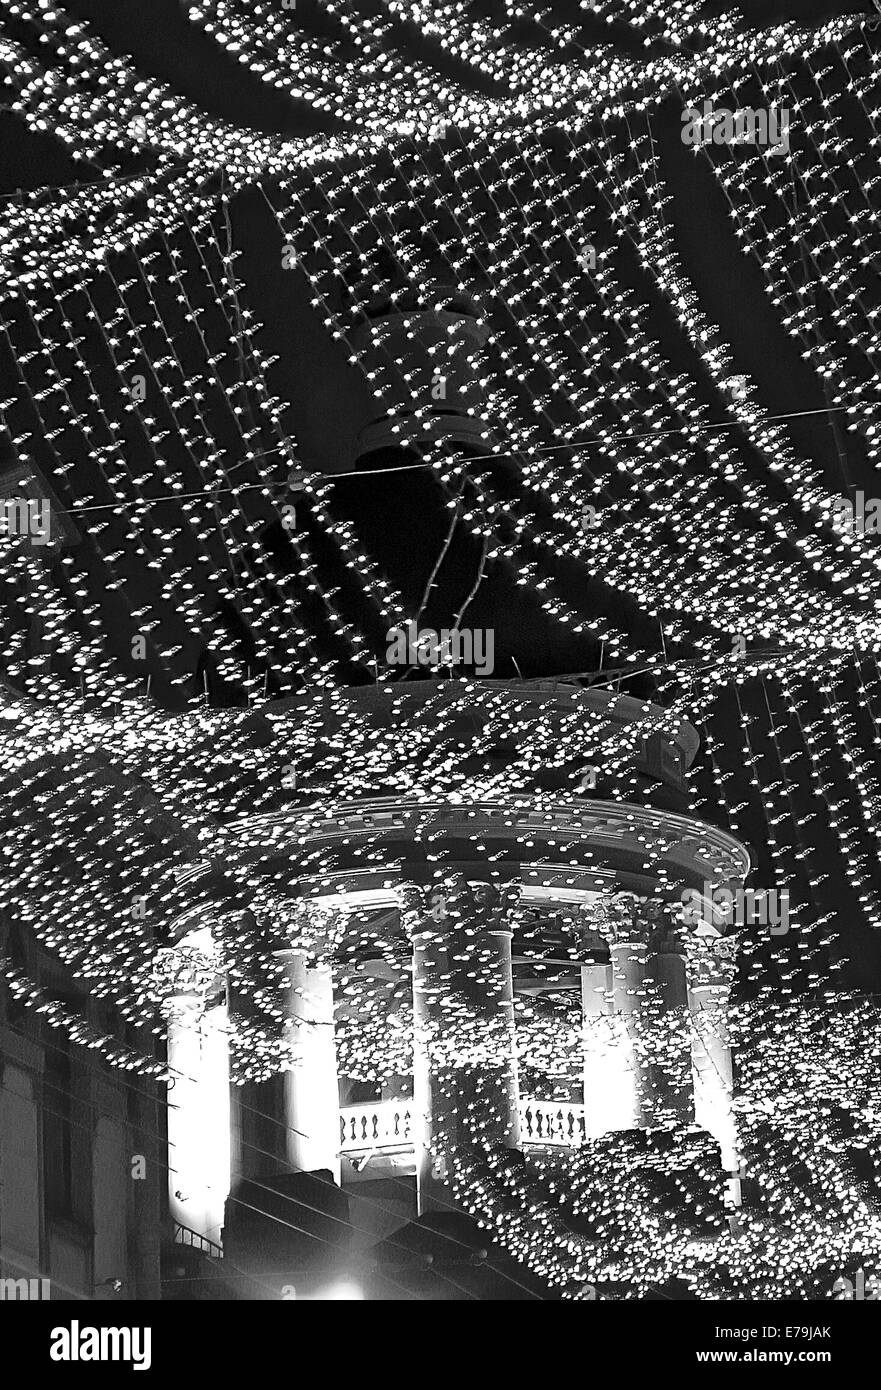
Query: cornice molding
{"type": "Point", "coordinates": [679, 840]}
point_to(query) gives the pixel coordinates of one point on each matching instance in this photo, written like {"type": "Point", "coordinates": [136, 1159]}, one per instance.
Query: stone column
{"type": "Point", "coordinates": [601, 1067]}
{"type": "Point", "coordinates": [431, 984]}
{"type": "Point", "coordinates": [463, 1003]}
{"type": "Point", "coordinates": [496, 994]}
{"type": "Point", "coordinates": [312, 1097]}
{"type": "Point", "coordinates": [671, 1078]}
{"type": "Point", "coordinates": [711, 966]}
{"type": "Point", "coordinates": [197, 1030]}
{"type": "Point", "coordinates": [617, 1085]}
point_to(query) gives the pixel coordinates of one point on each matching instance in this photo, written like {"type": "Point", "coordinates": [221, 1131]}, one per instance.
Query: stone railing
{"type": "Point", "coordinates": [378, 1125]}
{"type": "Point", "coordinates": [549, 1123]}
{"type": "Point", "coordinates": [385, 1126]}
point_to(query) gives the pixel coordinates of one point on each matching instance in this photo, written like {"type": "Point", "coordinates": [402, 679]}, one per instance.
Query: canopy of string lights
{"type": "Point", "coordinates": [517, 405]}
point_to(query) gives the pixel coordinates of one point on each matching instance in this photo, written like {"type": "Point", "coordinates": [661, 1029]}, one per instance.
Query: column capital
{"type": "Point", "coordinates": [621, 918]}
{"type": "Point", "coordinates": [312, 927]}
{"type": "Point", "coordinates": [454, 898]}
{"type": "Point", "coordinates": [186, 976]}
{"type": "Point", "coordinates": [496, 903]}
{"type": "Point", "coordinates": [710, 961]}
{"type": "Point", "coordinates": [413, 905]}
{"type": "Point", "coordinates": [488, 906]}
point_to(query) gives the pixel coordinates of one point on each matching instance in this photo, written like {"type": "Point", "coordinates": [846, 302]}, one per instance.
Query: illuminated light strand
{"type": "Point", "coordinates": [797, 322]}
{"type": "Point", "coordinates": [815, 734]}
{"type": "Point", "coordinates": [555, 609]}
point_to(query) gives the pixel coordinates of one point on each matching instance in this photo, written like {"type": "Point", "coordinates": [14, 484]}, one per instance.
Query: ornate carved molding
{"type": "Point", "coordinates": [711, 962]}
{"type": "Point", "coordinates": [186, 976]}
{"type": "Point", "coordinates": [624, 917]}
{"type": "Point", "coordinates": [311, 926]}
{"type": "Point", "coordinates": [458, 901]}
{"type": "Point", "coordinates": [486, 906]}
{"type": "Point", "coordinates": [412, 901]}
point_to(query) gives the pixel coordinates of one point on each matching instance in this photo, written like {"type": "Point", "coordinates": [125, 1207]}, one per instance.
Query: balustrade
{"type": "Point", "coordinates": [385, 1126]}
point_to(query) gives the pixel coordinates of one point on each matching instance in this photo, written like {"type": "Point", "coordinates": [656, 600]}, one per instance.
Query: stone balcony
{"type": "Point", "coordinates": [376, 1138]}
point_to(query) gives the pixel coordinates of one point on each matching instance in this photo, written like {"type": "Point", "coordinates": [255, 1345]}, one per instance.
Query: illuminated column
{"type": "Point", "coordinates": [462, 970]}
{"type": "Point", "coordinates": [710, 963]}
{"type": "Point", "coordinates": [312, 1096]}
{"type": "Point", "coordinates": [616, 1083]}
{"type": "Point", "coordinates": [496, 995]}
{"type": "Point", "coordinates": [431, 983]}
{"type": "Point", "coordinates": [198, 1100]}
{"type": "Point", "coordinates": [601, 1063]}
